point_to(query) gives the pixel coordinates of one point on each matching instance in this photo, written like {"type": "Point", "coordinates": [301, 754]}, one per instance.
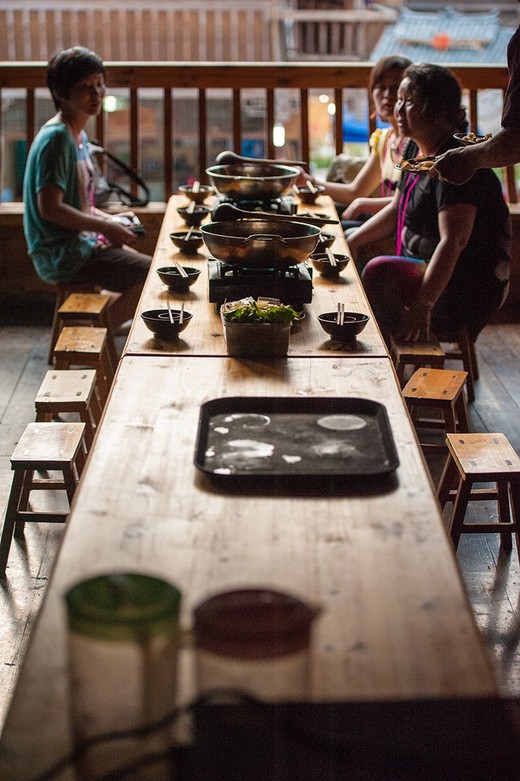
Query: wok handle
{"type": "Point", "coordinates": [265, 237]}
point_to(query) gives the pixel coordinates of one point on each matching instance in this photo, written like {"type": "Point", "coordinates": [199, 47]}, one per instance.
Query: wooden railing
{"type": "Point", "coordinates": [232, 79]}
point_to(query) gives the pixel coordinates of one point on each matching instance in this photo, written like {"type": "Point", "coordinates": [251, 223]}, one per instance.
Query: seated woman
{"type": "Point", "coordinates": [69, 239]}
{"type": "Point", "coordinates": [386, 149]}
{"type": "Point", "coordinates": [453, 242]}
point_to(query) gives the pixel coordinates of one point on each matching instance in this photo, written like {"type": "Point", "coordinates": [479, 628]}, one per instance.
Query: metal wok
{"type": "Point", "coordinates": [260, 243]}
{"type": "Point", "coordinates": [252, 181]}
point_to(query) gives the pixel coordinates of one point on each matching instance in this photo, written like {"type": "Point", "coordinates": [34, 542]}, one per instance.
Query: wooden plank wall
{"type": "Point", "coordinates": [219, 31]}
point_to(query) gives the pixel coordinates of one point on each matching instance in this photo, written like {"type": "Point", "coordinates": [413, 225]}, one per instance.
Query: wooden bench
{"type": "Point", "coordinates": [42, 448]}
{"type": "Point", "coordinates": [441, 390]}
{"type": "Point", "coordinates": [417, 355]}
{"type": "Point", "coordinates": [17, 274]}
{"type": "Point", "coordinates": [70, 391]}
{"type": "Point", "coordinates": [482, 458]}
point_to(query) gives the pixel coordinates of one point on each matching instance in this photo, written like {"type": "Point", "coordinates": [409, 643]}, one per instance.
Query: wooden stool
{"type": "Point", "coordinates": [416, 354]}
{"type": "Point", "coordinates": [442, 390]}
{"type": "Point", "coordinates": [64, 289]}
{"type": "Point", "coordinates": [70, 391]}
{"type": "Point", "coordinates": [88, 308]}
{"type": "Point", "coordinates": [85, 346]}
{"type": "Point", "coordinates": [43, 447]}
{"type": "Point", "coordinates": [482, 458]}
{"type": "Point", "coordinates": [463, 349]}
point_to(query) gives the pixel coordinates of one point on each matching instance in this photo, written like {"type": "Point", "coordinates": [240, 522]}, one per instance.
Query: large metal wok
{"type": "Point", "coordinates": [260, 243]}
{"type": "Point", "coordinates": [252, 181]}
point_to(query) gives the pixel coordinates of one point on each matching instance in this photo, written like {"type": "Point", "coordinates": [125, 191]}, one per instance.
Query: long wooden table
{"type": "Point", "coordinates": [395, 622]}
{"type": "Point", "coordinates": [204, 335]}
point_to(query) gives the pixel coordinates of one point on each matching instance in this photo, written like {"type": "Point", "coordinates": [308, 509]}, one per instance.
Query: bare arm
{"type": "Point", "coordinates": [455, 227]}
{"type": "Point", "coordinates": [365, 206]}
{"type": "Point", "coordinates": [380, 226]}
{"type": "Point", "coordinates": [53, 209]}
{"type": "Point", "coordinates": [459, 165]}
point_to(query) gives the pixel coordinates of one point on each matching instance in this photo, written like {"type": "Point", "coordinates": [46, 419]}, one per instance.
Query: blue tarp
{"type": "Point", "coordinates": [355, 130]}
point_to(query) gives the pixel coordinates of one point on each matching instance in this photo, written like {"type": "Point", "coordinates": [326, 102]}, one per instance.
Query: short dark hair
{"type": "Point", "coordinates": [70, 66]}
{"type": "Point", "coordinates": [386, 65]}
{"type": "Point", "coordinates": [439, 91]}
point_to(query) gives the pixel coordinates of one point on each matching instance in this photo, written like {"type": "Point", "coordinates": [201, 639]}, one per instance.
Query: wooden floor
{"type": "Point", "coordinates": [492, 578]}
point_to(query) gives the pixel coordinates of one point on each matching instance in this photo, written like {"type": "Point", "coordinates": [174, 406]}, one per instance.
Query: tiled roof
{"type": "Point", "coordinates": [446, 37]}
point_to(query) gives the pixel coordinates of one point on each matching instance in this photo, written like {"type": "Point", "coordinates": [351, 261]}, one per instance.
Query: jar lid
{"type": "Point", "coordinates": [253, 623]}
{"type": "Point", "coordinates": [122, 606]}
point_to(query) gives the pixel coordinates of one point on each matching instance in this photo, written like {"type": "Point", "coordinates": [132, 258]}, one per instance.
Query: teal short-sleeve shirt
{"type": "Point", "coordinates": [57, 253]}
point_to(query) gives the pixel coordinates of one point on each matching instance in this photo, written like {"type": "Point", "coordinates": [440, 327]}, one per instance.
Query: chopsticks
{"type": "Point", "coordinates": [191, 207]}
{"type": "Point", "coordinates": [340, 317]}
{"type": "Point", "coordinates": [195, 187]}
{"type": "Point", "coordinates": [170, 313]}
{"type": "Point", "coordinates": [331, 256]}
{"type": "Point", "coordinates": [312, 187]}
{"type": "Point", "coordinates": [188, 235]}
{"type": "Point", "coordinates": [180, 269]}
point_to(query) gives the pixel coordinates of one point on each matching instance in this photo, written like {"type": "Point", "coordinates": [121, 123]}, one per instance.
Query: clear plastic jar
{"type": "Point", "coordinates": [123, 639]}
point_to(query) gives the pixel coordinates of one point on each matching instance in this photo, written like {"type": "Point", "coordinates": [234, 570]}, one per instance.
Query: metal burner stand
{"type": "Point", "coordinates": [293, 286]}
{"type": "Point", "coordinates": [284, 205]}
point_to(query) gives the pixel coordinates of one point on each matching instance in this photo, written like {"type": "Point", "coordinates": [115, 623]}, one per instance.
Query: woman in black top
{"type": "Point", "coordinates": [451, 267]}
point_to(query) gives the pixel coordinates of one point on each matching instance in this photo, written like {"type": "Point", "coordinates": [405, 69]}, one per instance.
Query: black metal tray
{"type": "Point", "coordinates": [292, 437]}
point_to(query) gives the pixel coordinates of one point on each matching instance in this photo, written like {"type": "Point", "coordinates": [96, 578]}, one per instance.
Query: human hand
{"type": "Point", "coordinates": [416, 322]}
{"type": "Point", "coordinates": [118, 233]}
{"type": "Point", "coordinates": [303, 177]}
{"type": "Point", "coordinates": [454, 166]}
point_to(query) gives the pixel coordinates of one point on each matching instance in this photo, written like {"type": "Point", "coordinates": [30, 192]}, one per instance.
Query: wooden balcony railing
{"type": "Point", "coordinates": [137, 77]}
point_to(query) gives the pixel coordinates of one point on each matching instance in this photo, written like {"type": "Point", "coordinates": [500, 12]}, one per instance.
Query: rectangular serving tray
{"type": "Point", "coordinates": [256, 438]}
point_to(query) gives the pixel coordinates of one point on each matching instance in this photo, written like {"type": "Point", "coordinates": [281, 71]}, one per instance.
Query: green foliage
{"type": "Point", "coordinates": [253, 313]}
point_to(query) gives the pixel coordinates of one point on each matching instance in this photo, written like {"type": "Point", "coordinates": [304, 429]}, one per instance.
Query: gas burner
{"type": "Point", "coordinates": [284, 205]}
{"type": "Point", "coordinates": [292, 285]}
{"type": "Point", "coordinates": [244, 272]}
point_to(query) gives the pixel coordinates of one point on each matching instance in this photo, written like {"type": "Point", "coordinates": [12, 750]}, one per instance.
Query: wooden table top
{"type": "Point", "coordinates": [204, 335]}
{"type": "Point", "coordinates": [395, 621]}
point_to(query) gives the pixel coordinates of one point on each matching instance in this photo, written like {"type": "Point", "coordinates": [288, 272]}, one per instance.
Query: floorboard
{"type": "Point", "coordinates": [492, 579]}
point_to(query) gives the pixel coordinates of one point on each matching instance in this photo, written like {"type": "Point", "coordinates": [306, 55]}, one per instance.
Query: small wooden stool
{"type": "Point", "coordinates": [85, 346]}
{"type": "Point", "coordinates": [463, 349]}
{"type": "Point", "coordinates": [442, 390]}
{"type": "Point", "coordinates": [482, 458]}
{"type": "Point", "coordinates": [417, 355]}
{"type": "Point", "coordinates": [64, 289]}
{"type": "Point", "coordinates": [43, 447]}
{"type": "Point", "coordinates": [72, 390]}
{"type": "Point", "coordinates": [91, 309]}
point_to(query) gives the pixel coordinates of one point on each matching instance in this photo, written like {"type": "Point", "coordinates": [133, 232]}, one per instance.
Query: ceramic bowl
{"type": "Point", "coordinates": [174, 280]}
{"type": "Point", "coordinates": [187, 246]}
{"type": "Point", "coordinates": [323, 265]}
{"type": "Point", "coordinates": [199, 197]}
{"type": "Point", "coordinates": [195, 217]}
{"type": "Point", "coordinates": [325, 241]}
{"type": "Point", "coordinates": [353, 324]}
{"type": "Point", "coordinates": [307, 196]}
{"type": "Point", "coordinates": [158, 321]}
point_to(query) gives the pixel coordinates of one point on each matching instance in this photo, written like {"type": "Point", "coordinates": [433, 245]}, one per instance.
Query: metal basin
{"type": "Point", "coordinates": [260, 243]}
{"type": "Point", "coordinates": [252, 181]}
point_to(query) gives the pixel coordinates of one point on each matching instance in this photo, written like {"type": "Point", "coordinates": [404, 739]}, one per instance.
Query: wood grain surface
{"type": "Point", "coordinates": [395, 621]}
